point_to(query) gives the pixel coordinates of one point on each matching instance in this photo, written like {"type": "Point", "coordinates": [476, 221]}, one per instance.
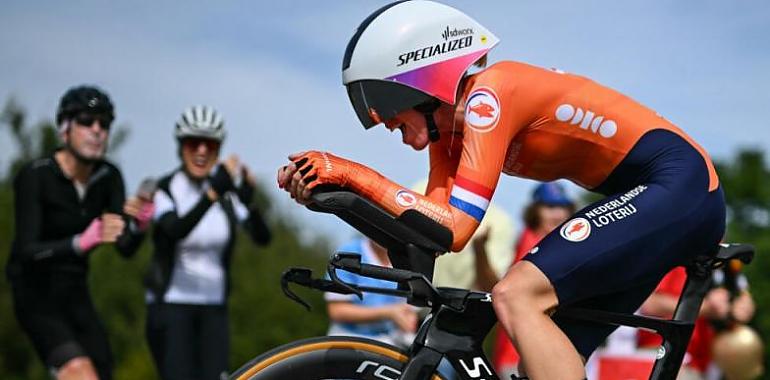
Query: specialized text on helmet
{"type": "Point", "coordinates": [430, 51]}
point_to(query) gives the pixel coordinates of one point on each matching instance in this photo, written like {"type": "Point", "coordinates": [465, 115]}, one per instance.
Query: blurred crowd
{"type": "Point", "coordinates": [73, 201]}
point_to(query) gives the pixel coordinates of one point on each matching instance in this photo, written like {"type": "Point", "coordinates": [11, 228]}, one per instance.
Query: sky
{"type": "Point", "coordinates": [273, 69]}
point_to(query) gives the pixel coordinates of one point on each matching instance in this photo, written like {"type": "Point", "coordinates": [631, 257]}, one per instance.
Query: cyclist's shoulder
{"type": "Point", "coordinates": [522, 81]}
{"type": "Point", "coordinates": [164, 182]}
{"type": "Point", "coordinates": [109, 165]}
{"type": "Point", "coordinates": [109, 168]}
{"type": "Point", "coordinates": [40, 165]}
{"type": "Point", "coordinates": [36, 169]}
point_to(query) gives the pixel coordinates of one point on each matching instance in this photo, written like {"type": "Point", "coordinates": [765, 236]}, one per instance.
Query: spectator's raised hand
{"type": "Point", "coordinates": [112, 227]}
{"type": "Point", "coordinates": [245, 183]}
{"type": "Point", "coordinates": [716, 305]}
{"type": "Point", "coordinates": [743, 308]}
{"type": "Point", "coordinates": [140, 209]}
{"type": "Point", "coordinates": [404, 316]}
{"type": "Point", "coordinates": [222, 180]}
{"type": "Point", "coordinates": [233, 166]}
{"type": "Point", "coordinates": [480, 239]}
{"type": "Point", "coordinates": [105, 229]}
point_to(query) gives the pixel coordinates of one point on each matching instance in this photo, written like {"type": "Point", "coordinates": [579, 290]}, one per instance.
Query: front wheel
{"type": "Point", "coordinates": [330, 357]}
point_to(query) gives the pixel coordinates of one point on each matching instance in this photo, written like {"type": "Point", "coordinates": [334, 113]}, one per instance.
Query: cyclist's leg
{"type": "Point", "coordinates": [155, 333]}
{"type": "Point", "coordinates": [627, 239]}
{"type": "Point", "coordinates": [79, 368]}
{"type": "Point", "coordinates": [91, 335]}
{"type": "Point", "coordinates": [621, 276]}
{"type": "Point", "coordinates": [179, 345]}
{"type": "Point", "coordinates": [51, 334]}
{"type": "Point", "coordinates": [213, 341]}
{"type": "Point", "coordinates": [522, 301]}
{"type": "Point", "coordinates": [586, 335]}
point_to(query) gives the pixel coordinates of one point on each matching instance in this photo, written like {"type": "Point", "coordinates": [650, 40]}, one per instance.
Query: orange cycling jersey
{"type": "Point", "coordinates": [524, 121]}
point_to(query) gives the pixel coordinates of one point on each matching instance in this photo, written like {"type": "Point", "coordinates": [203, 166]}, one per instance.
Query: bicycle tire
{"type": "Point", "coordinates": [329, 357]}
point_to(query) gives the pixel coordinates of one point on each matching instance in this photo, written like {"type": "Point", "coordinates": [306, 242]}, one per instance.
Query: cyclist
{"type": "Point", "coordinates": [197, 210]}
{"type": "Point", "coordinates": [67, 205]}
{"type": "Point", "coordinates": [407, 66]}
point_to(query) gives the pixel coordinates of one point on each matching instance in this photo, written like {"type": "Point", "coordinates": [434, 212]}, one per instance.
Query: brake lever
{"type": "Point", "coordinates": [301, 276]}
{"type": "Point", "coordinates": [304, 277]}
{"type": "Point", "coordinates": [332, 270]}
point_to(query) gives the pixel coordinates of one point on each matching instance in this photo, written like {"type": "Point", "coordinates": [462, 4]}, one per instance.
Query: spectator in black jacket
{"type": "Point", "coordinates": [197, 210]}
{"type": "Point", "coordinates": [67, 205]}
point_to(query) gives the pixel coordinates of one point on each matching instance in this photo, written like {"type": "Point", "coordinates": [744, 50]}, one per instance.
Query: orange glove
{"type": "Point", "coordinates": [322, 168]}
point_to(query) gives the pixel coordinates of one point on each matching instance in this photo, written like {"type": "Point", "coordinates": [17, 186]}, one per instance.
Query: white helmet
{"type": "Point", "coordinates": [410, 53]}
{"type": "Point", "coordinates": [200, 121]}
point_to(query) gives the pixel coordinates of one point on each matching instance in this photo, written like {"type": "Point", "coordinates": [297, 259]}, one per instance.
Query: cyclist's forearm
{"type": "Point", "coordinates": [257, 228]}
{"type": "Point", "coordinates": [129, 241]}
{"type": "Point", "coordinates": [346, 312]}
{"type": "Point", "coordinates": [41, 251]}
{"type": "Point", "coordinates": [177, 227]}
{"type": "Point", "coordinates": [396, 199]}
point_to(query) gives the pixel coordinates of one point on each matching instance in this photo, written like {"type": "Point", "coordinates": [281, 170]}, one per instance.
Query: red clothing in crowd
{"type": "Point", "coordinates": [699, 348]}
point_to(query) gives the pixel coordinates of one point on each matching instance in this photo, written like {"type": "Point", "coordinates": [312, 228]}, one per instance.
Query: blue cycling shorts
{"type": "Point", "coordinates": [611, 255]}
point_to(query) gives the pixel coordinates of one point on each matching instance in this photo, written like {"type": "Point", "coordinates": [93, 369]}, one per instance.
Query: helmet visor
{"type": "Point", "coordinates": [375, 101]}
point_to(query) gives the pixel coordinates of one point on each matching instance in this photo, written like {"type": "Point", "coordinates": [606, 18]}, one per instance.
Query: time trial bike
{"type": "Point", "coordinates": [459, 319]}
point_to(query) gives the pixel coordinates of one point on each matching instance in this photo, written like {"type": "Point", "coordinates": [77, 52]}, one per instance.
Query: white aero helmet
{"type": "Point", "coordinates": [408, 54]}
{"type": "Point", "coordinates": [200, 121]}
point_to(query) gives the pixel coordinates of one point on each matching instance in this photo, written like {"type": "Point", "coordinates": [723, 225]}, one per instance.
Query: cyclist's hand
{"type": "Point", "coordinates": [323, 168]}
{"type": "Point", "coordinates": [90, 237]}
{"type": "Point", "coordinates": [112, 227]}
{"type": "Point", "coordinates": [139, 209]}
{"type": "Point", "coordinates": [289, 179]}
{"type": "Point", "coordinates": [233, 166]}
{"type": "Point", "coordinates": [245, 186]}
{"type": "Point", "coordinates": [404, 316]}
{"type": "Point", "coordinates": [221, 181]}
{"type": "Point", "coordinates": [311, 169]}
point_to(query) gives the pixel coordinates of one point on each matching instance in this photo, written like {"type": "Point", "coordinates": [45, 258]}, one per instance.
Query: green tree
{"type": "Point", "coordinates": [746, 182]}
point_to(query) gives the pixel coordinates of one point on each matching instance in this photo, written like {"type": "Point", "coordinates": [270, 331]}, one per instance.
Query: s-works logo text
{"type": "Point", "coordinates": [452, 33]}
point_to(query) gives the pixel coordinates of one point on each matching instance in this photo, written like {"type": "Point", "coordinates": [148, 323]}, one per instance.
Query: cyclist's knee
{"type": "Point", "coordinates": [524, 289]}
{"type": "Point", "coordinates": [80, 368]}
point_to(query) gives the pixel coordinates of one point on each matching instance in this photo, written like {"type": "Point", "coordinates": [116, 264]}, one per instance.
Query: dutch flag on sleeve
{"type": "Point", "coordinates": [470, 197]}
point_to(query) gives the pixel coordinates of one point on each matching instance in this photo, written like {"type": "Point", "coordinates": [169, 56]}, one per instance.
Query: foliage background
{"type": "Point", "coordinates": [261, 317]}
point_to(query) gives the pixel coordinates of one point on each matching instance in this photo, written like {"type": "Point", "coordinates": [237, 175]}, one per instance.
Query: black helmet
{"type": "Point", "coordinates": [87, 99]}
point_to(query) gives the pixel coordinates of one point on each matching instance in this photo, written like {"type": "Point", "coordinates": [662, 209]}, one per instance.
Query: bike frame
{"type": "Point", "coordinates": [460, 319]}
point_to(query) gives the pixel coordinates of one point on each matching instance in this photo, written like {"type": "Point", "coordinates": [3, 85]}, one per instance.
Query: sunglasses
{"type": "Point", "coordinates": [87, 120]}
{"type": "Point", "coordinates": [193, 143]}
